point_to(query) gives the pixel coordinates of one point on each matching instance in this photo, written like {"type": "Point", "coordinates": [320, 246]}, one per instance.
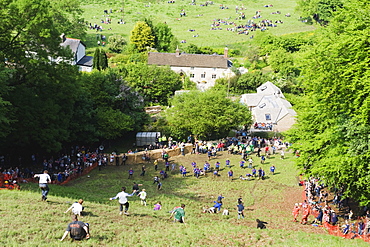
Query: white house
{"type": "Point", "coordinates": [85, 63]}
{"type": "Point", "coordinates": [200, 68]}
{"type": "Point", "coordinates": [269, 106]}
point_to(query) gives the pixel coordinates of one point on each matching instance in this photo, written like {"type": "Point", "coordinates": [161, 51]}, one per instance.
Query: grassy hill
{"type": "Point", "coordinates": [197, 17]}
{"type": "Point", "coordinates": [27, 221]}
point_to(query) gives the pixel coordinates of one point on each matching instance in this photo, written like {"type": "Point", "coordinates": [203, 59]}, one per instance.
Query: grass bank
{"type": "Point", "coordinates": [27, 221]}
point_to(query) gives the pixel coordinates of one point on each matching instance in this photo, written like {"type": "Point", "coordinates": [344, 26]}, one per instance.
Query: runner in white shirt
{"type": "Point", "coordinates": [122, 199]}
{"type": "Point", "coordinates": [76, 207]}
{"type": "Point", "coordinates": [44, 179]}
{"type": "Point", "coordinates": [142, 195]}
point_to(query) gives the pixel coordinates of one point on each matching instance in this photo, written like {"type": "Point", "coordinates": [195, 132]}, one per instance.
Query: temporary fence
{"type": "Point", "coordinates": [352, 232]}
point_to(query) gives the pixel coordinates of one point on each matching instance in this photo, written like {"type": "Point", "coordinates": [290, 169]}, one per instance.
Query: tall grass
{"type": "Point", "coordinates": [27, 221]}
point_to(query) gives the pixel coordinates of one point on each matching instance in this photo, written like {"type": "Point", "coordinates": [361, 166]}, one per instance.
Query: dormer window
{"type": "Point", "coordinates": [263, 88]}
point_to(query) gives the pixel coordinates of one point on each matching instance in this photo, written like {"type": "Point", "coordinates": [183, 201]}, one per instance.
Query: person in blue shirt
{"type": "Point", "coordinates": [230, 174]}
{"type": "Point", "coordinates": [240, 208]}
{"type": "Point", "coordinates": [227, 162]}
{"type": "Point", "coordinates": [219, 198]}
{"type": "Point", "coordinates": [272, 170]}
{"type": "Point", "coordinates": [217, 166]}
{"type": "Point", "coordinates": [217, 206]}
{"type": "Point", "coordinates": [241, 163]}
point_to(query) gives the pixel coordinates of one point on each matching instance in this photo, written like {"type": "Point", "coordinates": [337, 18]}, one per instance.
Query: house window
{"type": "Point", "coordinates": [214, 69]}
{"type": "Point", "coordinates": [191, 68]}
{"type": "Point", "coordinates": [214, 76]}
{"type": "Point", "coordinates": [268, 117]}
{"type": "Point", "coordinates": [203, 75]}
{"type": "Point", "coordinates": [192, 75]}
{"type": "Point", "coordinates": [262, 105]}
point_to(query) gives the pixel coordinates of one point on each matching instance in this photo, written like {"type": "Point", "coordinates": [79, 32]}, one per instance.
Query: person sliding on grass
{"type": "Point", "coordinates": [78, 230]}
{"type": "Point", "coordinates": [122, 196]}
{"type": "Point", "coordinates": [179, 214]}
{"type": "Point", "coordinates": [261, 224]}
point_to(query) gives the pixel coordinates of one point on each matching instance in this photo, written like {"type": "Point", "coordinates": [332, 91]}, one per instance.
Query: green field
{"type": "Point", "coordinates": [27, 221]}
{"type": "Point", "coordinates": [197, 17]}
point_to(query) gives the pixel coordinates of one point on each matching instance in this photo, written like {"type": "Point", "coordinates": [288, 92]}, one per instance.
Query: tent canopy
{"type": "Point", "coordinates": [147, 138]}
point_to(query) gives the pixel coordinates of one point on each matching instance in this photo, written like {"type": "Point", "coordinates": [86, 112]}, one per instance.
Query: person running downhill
{"type": "Point", "coordinates": [122, 199]}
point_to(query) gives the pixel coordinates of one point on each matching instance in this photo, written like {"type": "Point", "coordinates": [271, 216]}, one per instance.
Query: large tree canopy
{"type": "Point", "coordinates": [142, 36]}
{"type": "Point", "coordinates": [205, 114]}
{"type": "Point", "coordinates": [333, 129]}
{"type": "Point", "coordinates": [155, 83]}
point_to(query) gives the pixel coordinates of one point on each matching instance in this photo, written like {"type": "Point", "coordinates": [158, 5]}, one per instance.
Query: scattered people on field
{"type": "Point", "coordinates": [261, 224]}
{"type": "Point", "coordinates": [77, 230]}
{"type": "Point", "coordinates": [155, 165]}
{"type": "Point", "coordinates": [272, 170]}
{"type": "Point", "coordinates": [217, 206]}
{"type": "Point", "coordinates": [295, 212]}
{"type": "Point", "coordinates": [179, 214]}
{"type": "Point", "coordinates": [44, 179]}
{"type": "Point", "coordinates": [230, 174]}
{"type": "Point", "coordinates": [130, 173]}
{"type": "Point", "coordinates": [122, 200]}
{"type": "Point", "coordinates": [142, 196]}
{"type": "Point", "coordinates": [143, 170]}
{"type": "Point", "coordinates": [157, 206]}
{"type": "Point", "coordinates": [159, 186]}
{"type": "Point", "coordinates": [135, 188]}
{"type": "Point", "coordinates": [240, 208]}
{"type": "Point", "coordinates": [76, 208]}
{"type": "Point", "coordinates": [156, 180]}
{"type": "Point", "coordinates": [225, 212]}
{"type": "Point", "coordinates": [219, 198]}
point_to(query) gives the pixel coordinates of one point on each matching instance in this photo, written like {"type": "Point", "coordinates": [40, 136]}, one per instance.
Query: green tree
{"type": "Point", "coordinates": [333, 117]}
{"type": "Point", "coordinates": [245, 83]}
{"type": "Point", "coordinates": [103, 60]}
{"type": "Point", "coordinates": [165, 40]}
{"type": "Point", "coordinates": [116, 43]}
{"type": "Point", "coordinates": [322, 11]}
{"type": "Point", "coordinates": [192, 49]}
{"type": "Point", "coordinates": [67, 18]}
{"type": "Point", "coordinates": [282, 62]}
{"type": "Point", "coordinates": [206, 114]}
{"type": "Point", "coordinates": [142, 36]}
{"type": "Point", "coordinates": [155, 83]}
{"type": "Point", "coordinates": [96, 59]}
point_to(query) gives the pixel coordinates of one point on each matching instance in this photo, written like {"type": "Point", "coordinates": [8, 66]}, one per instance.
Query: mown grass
{"type": "Point", "coordinates": [27, 221]}
{"type": "Point", "coordinates": [197, 17]}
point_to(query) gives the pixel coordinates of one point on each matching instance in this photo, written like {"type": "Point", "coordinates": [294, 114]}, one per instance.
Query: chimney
{"type": "Point", "coordinates": [177, 51]}
{"type": "Point", "coordinates": [63, 37]}
{"type": "Point", "coordinates": [226, 52]}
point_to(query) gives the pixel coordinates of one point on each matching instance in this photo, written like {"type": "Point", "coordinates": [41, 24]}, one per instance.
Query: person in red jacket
{"type": "Point", "coordinates": [306, 213]}
{"type": "Point", "coordinates": [295, 212]}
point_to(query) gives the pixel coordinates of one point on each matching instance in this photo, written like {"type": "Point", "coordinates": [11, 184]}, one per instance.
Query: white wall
{"type": "Point", "coordinates": [206, 82]}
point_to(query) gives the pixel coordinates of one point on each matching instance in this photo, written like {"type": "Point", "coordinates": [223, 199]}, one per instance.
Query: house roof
{"type": "Point", "coordinates": [189, 60]}
{"type": "Point", "coordinates": [72, 43]}
{"type": "Point", "coordinates": [275, 106]}
{"type": "Point", "coordinates": [86, 61]}
{"type": "Point", "coordinates": [268, 100]}
{"type": "Point", "coordinates": [251, 99]}
{"type": "Point", "coordinates": [269, 88]}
